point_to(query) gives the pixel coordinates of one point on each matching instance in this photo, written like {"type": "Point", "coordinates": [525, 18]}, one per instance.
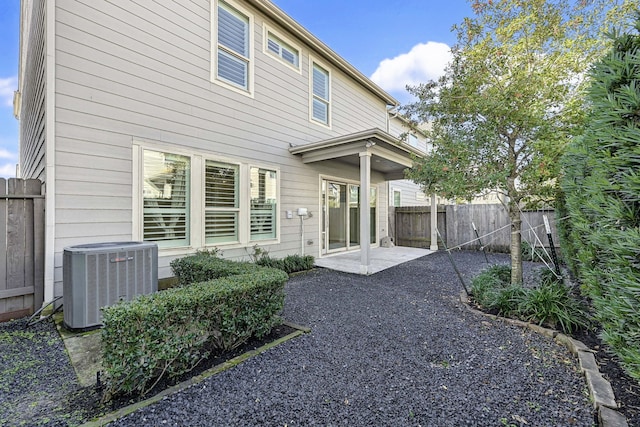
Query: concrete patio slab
{"type": "Point", "coordinates": [381, 259]}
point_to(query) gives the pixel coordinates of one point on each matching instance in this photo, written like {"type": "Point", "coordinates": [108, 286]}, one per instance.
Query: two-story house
{"type": "Point", "coordinates": [200, 124]}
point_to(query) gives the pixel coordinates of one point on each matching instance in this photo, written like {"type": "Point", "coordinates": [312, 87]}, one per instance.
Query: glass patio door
{"type": "Point", "coordinates": [334, 212]}
{"type": "Point", "coordinates": [341, 216]}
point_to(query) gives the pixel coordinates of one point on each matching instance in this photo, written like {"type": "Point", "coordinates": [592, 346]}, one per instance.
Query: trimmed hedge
{"type": "Point", "coordinates": [289, 264]}
{"type": "Point", "coordinates": [170, 332]}
{"type": "Point", "coordinates": [205, 266]}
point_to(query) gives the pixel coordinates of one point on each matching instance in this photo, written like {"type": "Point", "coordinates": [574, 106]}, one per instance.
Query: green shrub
{"type": "Point", "coordinates": [168, 333]}
{"type": "Point", "coordinates": [204, 266]}
{"type": "Point", "coordinates": [550, 303]}
{"type": "Point", "coordinates": [488, 282]}
{"type": "Point", "coordinates": [506, 301]}
{"type": "Point", "coordinates": [601, 187]}
{"type": "Point", "coordinates": [289, 264]}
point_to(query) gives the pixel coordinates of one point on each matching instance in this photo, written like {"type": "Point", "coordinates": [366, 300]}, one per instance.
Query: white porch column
{"type": "Point", "coordinates": [434, 223]}
{"type": "Point", "coordinates": [365, 226]}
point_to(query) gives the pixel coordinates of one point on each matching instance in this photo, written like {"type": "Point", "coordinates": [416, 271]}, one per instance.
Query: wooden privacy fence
{"type": "Point", "coordinates": [412, 227]}
{"type": "Point", "coordinates": [22, 248]}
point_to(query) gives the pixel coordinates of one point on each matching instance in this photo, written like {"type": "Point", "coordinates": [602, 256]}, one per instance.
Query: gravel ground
{"type": "Point", "coordinates": [395, 348]}
{"type": "Point", "coordinates": [37, 382]}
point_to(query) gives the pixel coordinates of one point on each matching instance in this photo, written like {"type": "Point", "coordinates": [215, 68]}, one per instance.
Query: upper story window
{"type": "Point", "coordinates": [233, 47]}
{"type": "Point", "coordinates": [283, 50]}
{"type": "Point", "coordinates": [320, 86]}
{"type": "Point", "coordinates": [413, 141]}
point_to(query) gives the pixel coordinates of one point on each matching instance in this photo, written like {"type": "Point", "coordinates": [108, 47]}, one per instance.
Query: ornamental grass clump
{"type": "Point", "coordinates": [489, 282]}
{"type": "Point", "coordinates": [549, 303]}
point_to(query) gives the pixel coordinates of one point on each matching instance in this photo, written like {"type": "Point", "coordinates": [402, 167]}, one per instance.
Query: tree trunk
{"type": "Point", "coordinates": [516, 244]}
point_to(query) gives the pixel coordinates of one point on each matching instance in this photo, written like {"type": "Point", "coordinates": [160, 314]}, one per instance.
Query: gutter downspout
{"type": "Point", "coordinates": [50, 153]}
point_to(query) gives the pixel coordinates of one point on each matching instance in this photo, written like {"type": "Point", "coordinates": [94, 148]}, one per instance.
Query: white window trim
{"type": "Point", "coordinates": [265, 48]}
{"type": "Point", "coordinates": [324, 66]}
{"type": "Point", "coordinates": [197, 206]}
{"type": "Point", "coordinates": [393, 196]}
{"type": "Point", "coordinates": [213, 54]}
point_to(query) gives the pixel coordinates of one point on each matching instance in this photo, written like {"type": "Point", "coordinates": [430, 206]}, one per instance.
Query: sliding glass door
{"type": "Point", "coordinates": [341, 216]}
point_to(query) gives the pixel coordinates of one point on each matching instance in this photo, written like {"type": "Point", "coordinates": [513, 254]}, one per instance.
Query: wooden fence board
{"type": "Point", "coordinates": [455, 223]}
{"type": "Point", "coordinates": [3, 246]}
{"type": "Point", "coordinates": [22, 248]}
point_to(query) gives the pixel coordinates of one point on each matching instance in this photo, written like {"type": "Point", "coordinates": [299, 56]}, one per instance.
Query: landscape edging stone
{"type": "Point", "coordinates": [600, 389]}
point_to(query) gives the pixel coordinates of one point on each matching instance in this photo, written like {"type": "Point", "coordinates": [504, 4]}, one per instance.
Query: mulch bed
{"type": "Point", "coordinates": [625, 388]}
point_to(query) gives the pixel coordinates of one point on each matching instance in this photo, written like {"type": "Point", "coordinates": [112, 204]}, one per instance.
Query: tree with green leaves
{"type": "Point", "coordinates": [509, 102]}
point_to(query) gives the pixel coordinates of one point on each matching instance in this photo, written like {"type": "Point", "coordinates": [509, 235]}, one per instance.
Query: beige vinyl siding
{"type": "Point", "coordinates": [408, 189]}
{"type": "Point", "coordinates": [141, 72]}
{"type": "Point", "coordinates": [32, 115]}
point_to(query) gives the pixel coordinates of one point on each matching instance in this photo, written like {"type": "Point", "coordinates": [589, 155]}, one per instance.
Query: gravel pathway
{"type": "Point", "coordinates": [396, 348]}
{"type": "Point", "coordinates": [37, 382]}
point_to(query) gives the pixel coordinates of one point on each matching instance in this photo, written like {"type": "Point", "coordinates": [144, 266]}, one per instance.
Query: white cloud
{"type": "Point", "coordinates": [424, 62]}
{"type": "Point", "coordinates": [7, 87]}
{"type": "Point", "coordinates": [7, 170]}
{"type": "Point", "coordinates": [7, 155]}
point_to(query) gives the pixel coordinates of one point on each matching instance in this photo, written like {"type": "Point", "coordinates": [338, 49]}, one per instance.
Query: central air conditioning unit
{"type": "Point", "coordinates": [101, 274]}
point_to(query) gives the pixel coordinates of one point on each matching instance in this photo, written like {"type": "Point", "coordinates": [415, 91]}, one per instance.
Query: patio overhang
{"type": "Point", "coordinates": [389, 155]}
{"type": "Point", "coordinates": [370, 150]}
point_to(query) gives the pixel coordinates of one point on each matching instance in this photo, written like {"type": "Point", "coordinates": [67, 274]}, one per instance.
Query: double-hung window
{"type": "Point", "coordinates": [264, 197]}
{"type": "Point", "coordinates": [166, 198]}
{"type": "Point", "coordinates": [196, 200]}
{"type": "Point", "coordinates": [282, 50]}
{"type": "Point", "coordinates": [233, 47]}
{"type": "Point", "coordinates": [320, 103]}
{"type": "Point", "coordinates": [222, 209]}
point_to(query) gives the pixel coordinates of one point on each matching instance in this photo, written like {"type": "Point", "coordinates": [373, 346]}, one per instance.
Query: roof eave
{"type": "Point", "coordinates": [318, 46]}
{"type": "Point", "coordinates": [376, 134]}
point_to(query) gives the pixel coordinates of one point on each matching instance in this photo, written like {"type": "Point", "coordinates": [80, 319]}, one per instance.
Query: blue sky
{"type": "Point", "coordinates": [394, 42]}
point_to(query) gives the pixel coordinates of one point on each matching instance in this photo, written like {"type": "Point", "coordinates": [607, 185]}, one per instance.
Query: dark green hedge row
{"type": "Point", "coordinates": [205, 266]}
{"type": "Point", "coordinates": [601, 187]}
{"type": "Point", "coordinates": [289, 264]}
{"type": "Point", "coordinates": [168, 333]}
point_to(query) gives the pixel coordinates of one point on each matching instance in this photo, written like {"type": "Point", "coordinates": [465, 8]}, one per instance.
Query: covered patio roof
{"type": "Point", "coordinates": [370, 150]}
{"type": "Point", "coordinates": [389, 155]}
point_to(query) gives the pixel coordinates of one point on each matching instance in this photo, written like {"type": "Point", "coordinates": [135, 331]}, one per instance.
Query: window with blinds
{"type": "Point", "coordinates": [397, 198]}
{"type": "Point", "coordinates": [282, 50]}
{"type": "Point", "coordinates": [233, 46]}
{"type": "Point", "coordinates": [320, 89]}
{"type": "Point", "coordinates": [221, 202]}
{"type": "Point", "coordinates": [166, 199]}
{"type": "Point", "coordinates": [264, 196]}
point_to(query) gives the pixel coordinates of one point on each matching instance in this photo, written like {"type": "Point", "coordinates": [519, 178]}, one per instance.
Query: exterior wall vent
{"type": "Point", "coordinates": [102, 274]}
